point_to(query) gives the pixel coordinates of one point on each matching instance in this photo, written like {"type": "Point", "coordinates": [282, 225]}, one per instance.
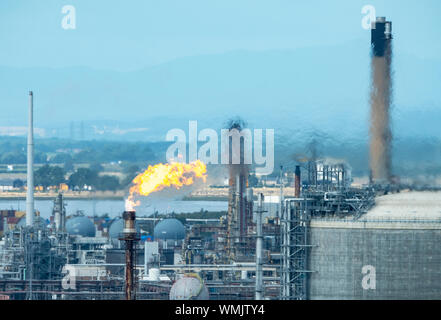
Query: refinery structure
{"type": "Point", "coordinates": [323, 242]}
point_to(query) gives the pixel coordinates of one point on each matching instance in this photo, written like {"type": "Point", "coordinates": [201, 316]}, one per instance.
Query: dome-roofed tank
{"type": "Point", "coordinates": [117, 226]}
{"type": "Point", "coordinates": [189, 287]}
{"type": "Point", "coordinates": [169, 229]}
{"type": "Point", "coordinates": [80, 225]}
{"type": "Point", "coordinates": [38, 221]}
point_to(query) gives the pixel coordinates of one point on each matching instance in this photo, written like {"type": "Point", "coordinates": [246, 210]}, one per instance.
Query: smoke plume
{"type": "Point", "coordinates": [380, 101]}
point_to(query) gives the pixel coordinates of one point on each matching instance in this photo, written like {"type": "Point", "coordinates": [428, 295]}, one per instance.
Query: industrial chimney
{"type": "Point", "coordinates": [240, 197]}
{"type": "Point", "coordinates": [297, 182]}
{"type": "Point", "coordinates": [30, 166]}
{"type": "Point", "coordinates": [130, 237]}
{"type": "Point", "coordinates": [380, 100]}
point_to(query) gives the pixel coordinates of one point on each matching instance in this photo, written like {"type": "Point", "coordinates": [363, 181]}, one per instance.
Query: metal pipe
{"type": "Point", "coordinates": [220, 267]}
{"type": "Point", "coordinates": [129, 286]}
{"type": "Point", "coordinates": [30, 165]}
{"type": "Point", "coordinates": [259, 273]}
{"type": "Point", "coordinates": [281, 193]}
{"type": "Point", "coordinates": [145, 259]}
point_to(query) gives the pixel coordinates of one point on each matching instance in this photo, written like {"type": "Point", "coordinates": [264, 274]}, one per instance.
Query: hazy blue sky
{"type": "Point", "coordinates": [127, 35]}
{"type": "Point", "coordinates": [213, 59]}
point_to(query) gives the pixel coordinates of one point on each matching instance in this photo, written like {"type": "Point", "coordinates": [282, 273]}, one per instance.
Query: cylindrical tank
{"type": "Point", "coordinates": [189, 287]}
{"type": "Point", "coordinates": [391, 252]}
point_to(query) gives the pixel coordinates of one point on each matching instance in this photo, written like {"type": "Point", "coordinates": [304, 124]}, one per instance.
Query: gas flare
{"type": "Point", "coordinates": [161, 176]}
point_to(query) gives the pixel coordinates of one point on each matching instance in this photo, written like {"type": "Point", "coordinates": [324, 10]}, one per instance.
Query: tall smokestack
{"type": "Point", "coordinates": [130, 237]}
{"type": "Point", "coordinates": [30, 165]}
{"type": "Point", "coordinates": [239, 214]}
{"type": "Point", "coordinates": [297, 182]}
{"type": "Point", "coordinates": [381, 90]}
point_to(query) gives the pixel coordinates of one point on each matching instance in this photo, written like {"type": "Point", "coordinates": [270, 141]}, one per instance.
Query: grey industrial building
{"type": "Point", "coordinates": [401, 244]}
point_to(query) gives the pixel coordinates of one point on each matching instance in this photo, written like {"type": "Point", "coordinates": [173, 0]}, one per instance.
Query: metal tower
{"type": "Point", "coordinates": [295, 248]}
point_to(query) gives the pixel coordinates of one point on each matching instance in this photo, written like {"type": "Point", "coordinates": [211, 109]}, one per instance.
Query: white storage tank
{"type": "Point", "coordinates": [391, 252]}
{"type": "Point", "coordinates": [189, 287]}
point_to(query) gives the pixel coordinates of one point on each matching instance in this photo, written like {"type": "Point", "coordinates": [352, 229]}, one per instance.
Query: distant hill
{"type": "Point", "coordinates": [323, 88]}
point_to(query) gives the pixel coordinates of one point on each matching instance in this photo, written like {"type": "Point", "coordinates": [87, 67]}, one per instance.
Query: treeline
{"type": "Point", "coordinates": [13, 151]}
{"type": "Point", "coordinates": [81, 179]}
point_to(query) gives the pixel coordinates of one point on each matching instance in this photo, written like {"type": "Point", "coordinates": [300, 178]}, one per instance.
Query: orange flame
{"type": "Point", "coordinates": [161, 176]}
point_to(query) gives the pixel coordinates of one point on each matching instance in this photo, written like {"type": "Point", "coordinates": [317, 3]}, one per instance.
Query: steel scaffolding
{"type": "Point", "coordinates": [295, 248]}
